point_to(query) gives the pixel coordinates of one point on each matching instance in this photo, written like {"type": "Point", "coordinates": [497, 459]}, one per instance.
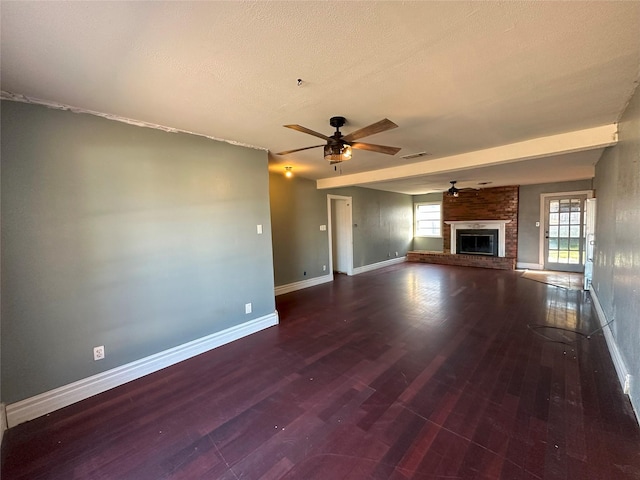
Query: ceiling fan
{"type": "Point", "coordinates": [453, 191]}
{"type": "Point", "coordinates": [338, 146]}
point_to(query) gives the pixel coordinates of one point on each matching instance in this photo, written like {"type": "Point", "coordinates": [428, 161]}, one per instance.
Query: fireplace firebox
{"type": "Point", "coordinates": [477, 242]}
{"type": "Point", "coordinates": [484, 226]}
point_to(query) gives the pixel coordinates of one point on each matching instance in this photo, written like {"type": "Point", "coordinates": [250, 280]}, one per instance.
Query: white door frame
{"type": "Point", "coordinates": [349, 233]}
{"type": "Point", "coordinates": [543, 198]}
{"type": "Point", "coordinates": [590, 238]}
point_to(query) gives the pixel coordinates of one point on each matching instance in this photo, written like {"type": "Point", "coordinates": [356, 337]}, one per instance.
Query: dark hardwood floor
{"type": "Point", "coordinates": [415, 371]}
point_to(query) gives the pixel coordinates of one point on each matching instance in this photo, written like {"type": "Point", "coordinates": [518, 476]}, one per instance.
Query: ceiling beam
{"type": "Point", "coordinates": [577, 141]}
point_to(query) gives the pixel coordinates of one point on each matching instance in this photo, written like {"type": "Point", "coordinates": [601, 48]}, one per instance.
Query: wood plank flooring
{"type": "Point", "coordinates": [415, 371]}
{"type": "Point", "coordinates": [570, 280]}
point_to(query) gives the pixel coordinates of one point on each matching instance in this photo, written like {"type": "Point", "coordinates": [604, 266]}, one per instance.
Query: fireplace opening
{"type": "Point", "coordinates": [477, 242]}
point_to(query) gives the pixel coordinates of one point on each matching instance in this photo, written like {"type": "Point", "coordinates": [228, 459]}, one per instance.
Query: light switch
{"type": "Point", "coordinates": [323, 228]}
{"type": "Point", "coordinates": [259, 229]}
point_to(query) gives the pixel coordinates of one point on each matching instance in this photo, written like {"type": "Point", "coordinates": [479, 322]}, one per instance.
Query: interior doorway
{"type": "Point", "coordinates": [340, 234]}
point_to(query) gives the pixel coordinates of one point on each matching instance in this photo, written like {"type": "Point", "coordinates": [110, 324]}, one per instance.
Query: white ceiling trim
{"type": "Point", "coordinates": [576, 141]}
{"type": "Point", "coordinates": [16, 97]}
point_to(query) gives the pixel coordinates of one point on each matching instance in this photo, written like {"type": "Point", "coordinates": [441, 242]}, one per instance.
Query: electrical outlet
{"type": "Point", "coordinates": [247, 308]}
{"type": "Point", "coordinates": [324, 268]}
{"type": "Point", "coordinates": [396, 254]}
{"type": "Point", "coordinates": [98, 353]}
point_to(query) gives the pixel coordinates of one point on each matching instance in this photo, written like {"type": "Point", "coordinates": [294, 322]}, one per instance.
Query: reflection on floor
{"type": "Point", "coordinates": [412, 371]}
{"type": "Point", "coordinates": [568, 280]}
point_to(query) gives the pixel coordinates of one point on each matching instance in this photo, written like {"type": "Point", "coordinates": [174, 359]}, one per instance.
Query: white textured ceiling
{"type": "Point", "coordinates": [455, 76]}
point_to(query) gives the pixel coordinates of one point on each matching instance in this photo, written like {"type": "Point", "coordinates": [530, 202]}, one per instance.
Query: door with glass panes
{"type": "Point", "coordinates": [564, 247]}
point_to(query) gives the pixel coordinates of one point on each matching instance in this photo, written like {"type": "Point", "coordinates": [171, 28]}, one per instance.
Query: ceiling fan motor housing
{"type": "Point", "coordinates": [337, 122]}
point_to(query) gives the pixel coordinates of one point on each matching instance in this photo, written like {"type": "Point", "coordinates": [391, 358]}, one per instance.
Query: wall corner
{"type": "Point", "coordinates": [3, 421]}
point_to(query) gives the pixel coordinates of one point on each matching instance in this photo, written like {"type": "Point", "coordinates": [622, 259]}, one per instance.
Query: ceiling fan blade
{"type": "Point", "coordinates": [298, 150]}
{"type": "Point", "coordinates": [381, 126]}
{"type": "Point", "coordinates": [376, 148]}
{"type": "Point", "coordinates": [302, 129]}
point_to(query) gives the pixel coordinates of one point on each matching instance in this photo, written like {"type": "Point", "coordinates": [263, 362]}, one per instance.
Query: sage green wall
{"type": "Point", "coordinates": [529, 214]}
{"type": "Point", "coordinates": [431, 244]}
{"type": "Point", "coordinates": [616, 273]}
{"type": "Point", "coordinates": [383, 225]}
{"type": "Point", "coordinates": [127, 237]}
{"type": "Point", "coordinates": [2, 421]}
{"type": "Point", "coordinates": [297, 211]}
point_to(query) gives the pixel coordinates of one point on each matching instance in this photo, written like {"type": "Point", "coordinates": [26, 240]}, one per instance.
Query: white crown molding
{"type": "Point", "coordinates": [576, 141]}
{"type": "Point", "coordinates": [16, 97]}
{"type": "Point", "coordinates": [47, 402]}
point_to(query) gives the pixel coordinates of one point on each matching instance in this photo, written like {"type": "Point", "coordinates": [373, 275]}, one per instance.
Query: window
{"type": "Point", "coordinates": [428, 219]}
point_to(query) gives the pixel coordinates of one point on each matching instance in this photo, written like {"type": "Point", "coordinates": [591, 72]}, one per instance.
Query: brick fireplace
{"type": "Point", "coordinates": [488, 208]}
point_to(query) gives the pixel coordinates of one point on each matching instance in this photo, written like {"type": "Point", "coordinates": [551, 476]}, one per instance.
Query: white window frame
{"type": "Point", "coordinates": [415, 219]}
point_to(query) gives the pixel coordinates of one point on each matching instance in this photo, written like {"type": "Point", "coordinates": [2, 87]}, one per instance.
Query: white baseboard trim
{"type": "Point", "coordinates": [47, 402]}
{"type": "Point", "coordinates": [616, 356]}
{"type": "Point", "coordinates": [3, 421]}
{"type": "Point", "coordinates": [312, 282]}
{"type": "Point", "coordinates": [375, 266]}
{"type": "Point", "coordinates": [529, 266]}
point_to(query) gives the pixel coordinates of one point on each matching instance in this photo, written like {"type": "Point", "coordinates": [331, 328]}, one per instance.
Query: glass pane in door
{"type": "Point", "coordinates": [565, 231]}
{"type": "Point", "coordinates": [564, 247]}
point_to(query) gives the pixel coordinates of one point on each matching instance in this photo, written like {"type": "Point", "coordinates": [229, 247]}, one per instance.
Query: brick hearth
{"type": "Point", "coordinates": [498, 263]}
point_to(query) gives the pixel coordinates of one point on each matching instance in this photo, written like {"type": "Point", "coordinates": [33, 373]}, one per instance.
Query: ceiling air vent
{"type": "Point", "coordinates": [415, 155]}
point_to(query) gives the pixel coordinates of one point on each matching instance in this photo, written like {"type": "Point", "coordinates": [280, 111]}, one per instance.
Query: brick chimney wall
{"type": "Point", "coordinates": [499, 203]}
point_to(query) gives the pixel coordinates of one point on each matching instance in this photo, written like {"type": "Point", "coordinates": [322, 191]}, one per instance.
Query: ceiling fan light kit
{"type": "Point", "coordinates": [339, 147]}
{"type": "Point", "coordinates": [337, 153]}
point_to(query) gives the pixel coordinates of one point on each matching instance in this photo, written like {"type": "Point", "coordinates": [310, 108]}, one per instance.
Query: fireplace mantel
{"type": "Point", "coordinates": [480, 225]}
